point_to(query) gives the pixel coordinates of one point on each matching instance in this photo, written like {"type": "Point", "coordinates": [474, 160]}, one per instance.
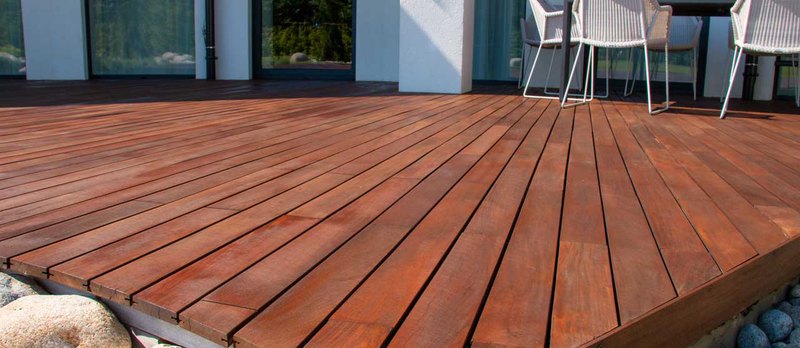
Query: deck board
{"type": "Point", "coordinates": [345, 214]}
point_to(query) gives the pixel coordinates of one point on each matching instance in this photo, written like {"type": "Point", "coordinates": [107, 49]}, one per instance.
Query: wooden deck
{"type": "Point", "coordinates": [342, 214]}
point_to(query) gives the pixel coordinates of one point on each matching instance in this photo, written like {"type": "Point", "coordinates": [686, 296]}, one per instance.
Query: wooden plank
{"type": "Point", "coordinates": [441, 317]}
{"type": "Point", "coordinates": [448, 217]}
{"type": "Point", "coordinates": [517, 310]}
{"type": "Point", "coordinates": [297, 258]}
{"type": "Point", "coordinates": [684, 320]}
{"type": "Point", "coordinates": [583, 297]}
{"type": "Point", "coordinates": [205, 274]}
{"type": "Point", "coordinates": [689, 263]}
{"type": "Point", "coordinates": [641, 279]}
{"type": "Point", "coordinates": [726, 244]}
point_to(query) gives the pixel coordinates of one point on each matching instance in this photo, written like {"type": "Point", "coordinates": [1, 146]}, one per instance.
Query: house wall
{"type": "Point", "coordinates": [425, 45]}
{"type": "Point", "coordinates": [377, 40]}
{"type": "Point", "coordinates": [436, 41]}
{"type": "Point", "coordinates": [55, 39]}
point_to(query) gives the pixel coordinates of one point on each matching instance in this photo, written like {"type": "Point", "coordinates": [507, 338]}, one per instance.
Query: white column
{"type": "Point", "coordinates": [377, 40]}
{"type": "Point", "coordinates": [436, 39]}
{"type": "Point", "coordinates": [55, 39]}
{"type": "Point", "coordinates": [234, 40]}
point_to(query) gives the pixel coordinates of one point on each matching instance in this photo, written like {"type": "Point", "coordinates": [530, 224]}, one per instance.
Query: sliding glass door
{"type": "Point", "coordinates": [141, 37]}
{"type": "Point", "coordinates": [12, 52]}
{"type": "Point", "coordinates": [497, 52]}
{"type": "Point", "coordinates": [303, 38]}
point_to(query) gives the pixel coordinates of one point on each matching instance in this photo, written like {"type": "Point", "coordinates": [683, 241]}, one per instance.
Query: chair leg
{"type": "Point", "coordinates": [630, 71]}
{"type": "Point", "coordinates": [550, 69]}
{"type": "Point", "coordinates": [530, 75]}
{"type": "Point", "coordinates": [526, 53]}
{"type": "Point", "coordinates": [737, 55]}
{"type": "Point", "coordinates": [571, 75]}
{"type": "Point", "coordinates": [728, 63]}
{"type": "Point", "coordinates": [589, 76]}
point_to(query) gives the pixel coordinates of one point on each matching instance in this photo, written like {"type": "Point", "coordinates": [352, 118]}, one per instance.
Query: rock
{"type": "Point", "coordinates": [60, 321]}
{"type": "Point", "coordinates": [794, 301]}
{"type": "Point", "coordinates": [784, 307]}
{"type": "Point", "coordinates": [776, 324]}
{"type": "Point", "coordinates": [795, 292]}
{"type": "Point", "coordinates": [794, 337]}
{"type": "Point", "coordinates": [298, 57]}
{"type": "Point", "coordinates": [13, 287]}
{"type": "Point", "coordinates": [794, 313]}
{"type": "Point", "coordinates": [779, 345]}
{"type": "Point", "coordinates": [750, 336]}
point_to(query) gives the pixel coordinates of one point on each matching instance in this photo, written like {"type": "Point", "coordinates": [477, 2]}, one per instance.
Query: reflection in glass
{"type": "Point", "coordinates": [142, 37]}
{"type": "Point", "coordinates": [497, 51]}
{"type": "Point", "coordinates": [12, 53]}
{"type": "Point", "coordinates": [786, 77]}
{"type": "Point", "coordinates": [306, 34]}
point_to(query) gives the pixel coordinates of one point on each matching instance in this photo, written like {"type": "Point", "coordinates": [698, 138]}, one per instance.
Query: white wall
{"type": "Point", "coordinates": [55, 39]}
{"type": "Point", "coordinates": [436, 39]}
{"type": "Point", "coordinates": [377, 40]}
{"type": "Point", "coordinates": [234, 40]}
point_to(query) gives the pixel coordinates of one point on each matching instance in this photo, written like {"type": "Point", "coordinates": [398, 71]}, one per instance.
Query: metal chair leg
{"type": "Point", "coordinates": [737, 53]}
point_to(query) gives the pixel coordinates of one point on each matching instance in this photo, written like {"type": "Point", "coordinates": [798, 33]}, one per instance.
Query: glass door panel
{"type": "Point", "coordinates": [142, 37]}
{"type": "Point", "coordinates": [304, 38]}
{"type": "Point", "coordinates": [12, 52]}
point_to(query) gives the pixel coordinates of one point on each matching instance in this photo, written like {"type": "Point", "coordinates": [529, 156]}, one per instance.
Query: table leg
{"type": "Point", "coordinates": [565, 48]}
{"type": "Point", "coordinates": [750, 75]}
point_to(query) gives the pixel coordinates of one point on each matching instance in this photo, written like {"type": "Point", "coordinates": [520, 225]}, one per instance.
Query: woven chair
{"type": "Point", "coordinates": [544, 32]}
{"type": "Point", "coordinates": [684, 37]}
{"type": "Point", "coordinates": [622, 24]}
{"type": "Point", "coordinates": [763, 27]}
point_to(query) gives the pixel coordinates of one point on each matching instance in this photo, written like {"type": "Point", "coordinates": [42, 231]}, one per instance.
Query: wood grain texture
{"type": "Point", "coordinates": [325, 213]}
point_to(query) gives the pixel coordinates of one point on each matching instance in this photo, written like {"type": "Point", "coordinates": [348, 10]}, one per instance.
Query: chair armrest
{"type": "Point", "coordinates": [659, 26]}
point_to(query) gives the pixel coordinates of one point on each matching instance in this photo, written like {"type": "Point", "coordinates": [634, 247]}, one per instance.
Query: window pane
{"type": "Point", "coordinates": [498, 43]}
{"type": "Point", "coordinates": [142, 37]}
{"type": "Point", "coordinates": [306, 34]}
{"type": "Point", "coordinates": [12, 53]}
{"type": "Point", "coordinates": [787, 78]}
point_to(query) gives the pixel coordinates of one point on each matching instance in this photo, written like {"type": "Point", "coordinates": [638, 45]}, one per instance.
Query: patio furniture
{"type": "Point", "coordinates": [763, 27]}
{"type": "Point", "coordinates": [544, 32]}
{"type": "Point", "coordinates": [622, 24]}
{"type": "Point", "coordinates": [684, 37]}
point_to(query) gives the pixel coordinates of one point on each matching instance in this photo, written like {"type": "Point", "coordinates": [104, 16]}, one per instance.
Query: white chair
{"type": "Point", "coordinates": [548, 22]}
{"type": "Point", "coordinates": [763, 27]}
{"type": "Point", "coordinates": [622, 24]}
{"type": "Point", "coordinates": [684, 36]}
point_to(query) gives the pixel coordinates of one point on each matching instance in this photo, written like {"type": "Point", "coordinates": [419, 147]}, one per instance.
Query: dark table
{"type": "Point", "coordinates": [679, 8]}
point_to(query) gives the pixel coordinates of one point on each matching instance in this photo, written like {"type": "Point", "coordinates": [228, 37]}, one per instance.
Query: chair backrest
{"type": "Point", "coordinates": [548, 28]}
{"type": "Point", "coordinates": [768, 23]}
{"type": "Point", "coordinates": [614, 21]}
{"type": "Point", "coordinates": [685, 31]}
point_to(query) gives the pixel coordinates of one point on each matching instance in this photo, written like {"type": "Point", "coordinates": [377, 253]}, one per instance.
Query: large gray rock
{"type": "Point", "coordinates": [13, 287]}
{"type": "Point", "coordinates": [750, 336]}
{"type": "Point", "coordinates": [776, 324]}
{"type": "Point", "coordinates": [68, 321]}
{"type": "Point", "coordinates": [299, 57]}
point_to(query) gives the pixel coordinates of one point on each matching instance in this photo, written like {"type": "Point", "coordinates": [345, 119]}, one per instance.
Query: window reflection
{"type": "Point", "coordinates": [306, 34]}
{"type": "Point", "coordinates": [142, 37]}
{"type": "Point", "coordinates": [12, 52]}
